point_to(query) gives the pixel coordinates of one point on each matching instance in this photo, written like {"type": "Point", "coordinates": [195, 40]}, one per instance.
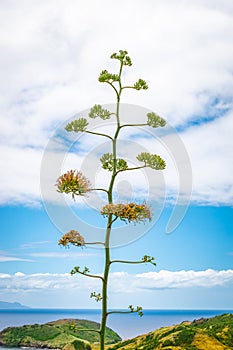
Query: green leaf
{"type": "Point", "coordinates": [154, 120]}
{"type": "Point", "coordinates": [77, 125]}
{"type": "Point", "coordinates": [99, 111]}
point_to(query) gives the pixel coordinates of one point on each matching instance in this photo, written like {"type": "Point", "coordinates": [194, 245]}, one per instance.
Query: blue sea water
{"type": "Point", "coordinates": [126, 326]}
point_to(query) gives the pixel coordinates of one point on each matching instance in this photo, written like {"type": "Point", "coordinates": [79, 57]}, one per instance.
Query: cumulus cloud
{"type": "Point", "coordinates": [52, 55]}
{"type": "Point", "coordinates": [120, 282]}
{"type": "Point", "coordinates": [43, 281]}
{"type": "Point", "coordinates": [185, 279]}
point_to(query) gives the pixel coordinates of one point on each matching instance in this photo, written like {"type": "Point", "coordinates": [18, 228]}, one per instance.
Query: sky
{"type": "Point", "coordinates": [51, 55]}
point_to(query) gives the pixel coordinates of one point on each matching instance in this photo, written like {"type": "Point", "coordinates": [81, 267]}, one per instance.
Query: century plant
{"type": "Point", "coordinates": [76, 184]}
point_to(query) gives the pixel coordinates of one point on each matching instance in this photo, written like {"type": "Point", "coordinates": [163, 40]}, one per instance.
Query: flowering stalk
{"type": "Point", "coordinates": [75, 183]}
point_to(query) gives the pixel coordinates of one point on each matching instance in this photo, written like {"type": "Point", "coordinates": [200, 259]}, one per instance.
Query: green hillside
{"type": "Point", "coordinates": [205, 334]}
{"type": "Point", "coordinates": [215, 333]}
{"type": "Point", "coordinates": [61, 334]}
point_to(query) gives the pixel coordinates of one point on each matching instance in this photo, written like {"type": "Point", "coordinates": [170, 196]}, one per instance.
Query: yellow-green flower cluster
{"type": "Point", "coordinates": [130, 212]}
{"type": "Point", "coordinates": [72, 237]}
{"type": "Point", "coordinates": [73, 182]}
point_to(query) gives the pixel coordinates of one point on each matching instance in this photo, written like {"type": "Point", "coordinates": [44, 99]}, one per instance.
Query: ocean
{"type": "Point", "coordinates": [127, 326]}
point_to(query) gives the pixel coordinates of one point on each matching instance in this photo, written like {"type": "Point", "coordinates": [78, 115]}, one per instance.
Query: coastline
{"type": "Point", "coordinates": [127, 326]}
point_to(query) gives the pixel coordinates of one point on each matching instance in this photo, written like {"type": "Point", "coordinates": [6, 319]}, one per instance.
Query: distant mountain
{"type": "Point", "coordinates": [6, 305]}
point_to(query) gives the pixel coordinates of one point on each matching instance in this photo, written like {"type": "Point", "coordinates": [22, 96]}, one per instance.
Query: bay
{"type": "Point", "coordinates": [127, 326]}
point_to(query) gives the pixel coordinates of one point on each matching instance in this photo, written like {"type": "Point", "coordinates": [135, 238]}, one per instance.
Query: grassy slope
{"type": "Point", "coordinates": [55, 334]}
{"type": "Point", "coordinates": [205, 334]}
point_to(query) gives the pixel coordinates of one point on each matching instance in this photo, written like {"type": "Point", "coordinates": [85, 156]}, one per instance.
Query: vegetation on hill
{"type": "Point", "coordinates": [215, 333]}
{"type": "Point", "coordinates": [61, 334]}
{"type": "Point", "coordinates": [205, 334]}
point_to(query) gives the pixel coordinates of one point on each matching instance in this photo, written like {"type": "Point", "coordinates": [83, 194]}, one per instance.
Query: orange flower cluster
{"type": "Point", "coordinates": [73, 182]}
{"type": "Point", "coordinates": [72, 237]}
{"type": "Point", "coordinates": [128, 212]}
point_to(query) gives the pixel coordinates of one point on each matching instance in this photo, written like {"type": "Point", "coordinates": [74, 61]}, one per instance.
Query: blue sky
{"type": "Point", "coordinates": [50, 63]}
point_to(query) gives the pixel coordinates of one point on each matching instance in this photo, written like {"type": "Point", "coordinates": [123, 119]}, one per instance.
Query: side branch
{"type": "Point", "coordinates": [117, 93]}
{"type": "Point", "coordinates": [144, 260]}
{"type": "Point", "coordinates": [85, 272]}
{"type": "Point", "coordinates": [132, 309]}
{"type": "Point", "coordinates": [127, 262]}
{"type": "Point", "coordinates": [122, 126]}
{"type": "Point", "coordinates": [90, 243]}
{"type": "Point", "coordinates": [98, 134]}
{"type": "Point", "coordinates": [134, 168]}
{"type": "Point", "coordinates": [113, 220]}
{"type": "Point", "coordinates": [128, 87]}
{"type": "Point", "coordinates": [89, 275]}
{"type": "Point", "coordinates": [99, 189]}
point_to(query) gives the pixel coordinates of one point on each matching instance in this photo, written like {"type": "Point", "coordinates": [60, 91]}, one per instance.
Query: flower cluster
{"type": "Point", "coordinates": [99, 111]}
{"type": "Point", "coordinates": [152, 160]}
{"type": "Point", "coordinates": [72, 237]}
{"type": "Point", "coordinates": [128, 212]}
{"type": "Point", "coordinates": [140, 85]}
{"type": "Point", "coordinates": [77, 125]}
{"type": "Point", "coordinates": [122, 57]}
{"type": "Point", "coordinates": [97, 296]}
{"type": "Point", "coordinates": [137, 309]}
{"type": "Point", "coordinates": [106, 77]}
{"type": "Point", "coordinates": [108, 162]}
{"type": "Point", "coordinates": [73, 182]}
{"type": "Point", "coordinates": [76, 269]}
{"type": "Point", "coordinates": [155, 121]}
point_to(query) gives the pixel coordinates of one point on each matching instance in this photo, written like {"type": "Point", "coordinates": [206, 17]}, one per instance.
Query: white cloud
{"type": "Point", "coordinates": [31, 256]}
{"type": "Point", "coordinates": [44, 281]}
{"type": "Point", "coordinates": [210, 151]}
{"type": "Point", "coordinates": [13, 258]}
{"type": "Point", "coordinates": [52, 55]}
{"type": "Point", "coordinates": [20, 175]}
{"type": "Point", "coordinates": [185, 279]}
{"type": "Point", "coordinates": [120, 282]}
{"type": "Point", "coordinates": [31, 245]}
{"type": "Point", "coordinates": [19, 274]}
{"type": "Point", "coordinates": [69, 255]}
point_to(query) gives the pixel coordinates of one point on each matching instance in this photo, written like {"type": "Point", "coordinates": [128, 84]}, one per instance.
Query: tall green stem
{"type": "Point", "coordinates": [109, 224]}
{"type": "Point", "coordinates": [71, 181]}
{"type": "Point", "coordinates": [105, 285]}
